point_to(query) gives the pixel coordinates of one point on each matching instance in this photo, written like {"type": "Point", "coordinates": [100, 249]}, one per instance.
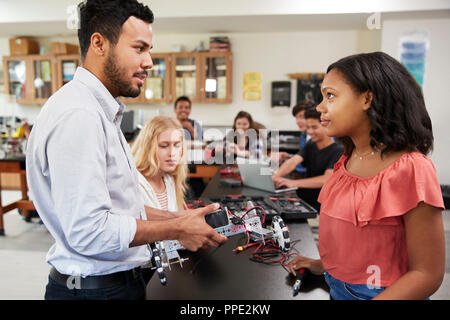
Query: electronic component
{"type": "Point", "coordinates": [281, 233]}
{"type": "Point", "coordinates": [227, 223]}
{"type": "Point", "coordinates": [157, 263]}
{"type": "Point", "coordinates": [218, 218]}
{"type": "Point", "coordinates": [293, 208]}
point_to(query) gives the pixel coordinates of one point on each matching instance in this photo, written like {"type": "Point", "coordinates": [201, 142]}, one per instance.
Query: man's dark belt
{"type": "Point", "coordinates": [95, 282]}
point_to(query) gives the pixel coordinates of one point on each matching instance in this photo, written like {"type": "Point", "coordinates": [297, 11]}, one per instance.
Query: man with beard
{"type": "Point", "coordinates": [81, 173]}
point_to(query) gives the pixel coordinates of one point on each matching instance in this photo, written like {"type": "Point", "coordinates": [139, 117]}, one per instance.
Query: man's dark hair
{"type": "Point", "coordinates": [398, 117]}
{"type": "Point", "coordinates": [107, 17]}
{"type": "Point", "coordinates": [303, 106]}
{"type": "Point", "coordinates": [312, 113]}
{"type": "Point", "coordinates": [182, 98]}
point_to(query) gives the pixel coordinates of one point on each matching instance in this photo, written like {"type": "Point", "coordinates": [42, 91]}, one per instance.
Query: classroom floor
{"type": "Point", "coordinates": [24, 272]}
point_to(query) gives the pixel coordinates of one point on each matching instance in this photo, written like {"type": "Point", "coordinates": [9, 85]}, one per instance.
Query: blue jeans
{"type": "Point", "coordinates": [340, 290]}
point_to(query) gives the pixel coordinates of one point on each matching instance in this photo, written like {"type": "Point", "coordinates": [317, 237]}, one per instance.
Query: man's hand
{"type": "Point", "coordinates": [187, 226]}
{"type": "Point", "coordinates": [196, 233]}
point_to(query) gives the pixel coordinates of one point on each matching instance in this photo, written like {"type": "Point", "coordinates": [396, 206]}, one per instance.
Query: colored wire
{"type": "Point", "coordinates": [254, 208]}
{"type": "Point", "coordinates": [264, 253]}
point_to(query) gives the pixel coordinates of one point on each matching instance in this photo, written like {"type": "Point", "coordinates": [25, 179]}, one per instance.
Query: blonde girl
{"type": "Point", "coordinates": [159, 155]}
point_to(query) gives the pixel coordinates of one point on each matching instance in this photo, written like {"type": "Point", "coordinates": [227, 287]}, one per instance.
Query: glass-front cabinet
{"type": "Point", "coordinates": [216, 77]}
{"type": "Point", "coordinates": [157, 84]}
{"type": "Point", "coordinates": [205, 77]}
{"type": "Point", "coordinates": [186, 75]}
{"type": "Point", "coordinates": [66, 66]}
{"type": "Point", "coordinates": [43, 75]}
{"type": "Point", "coordinates": [29, 79]}
{"type": "Point", "coordinates": [15, 78]}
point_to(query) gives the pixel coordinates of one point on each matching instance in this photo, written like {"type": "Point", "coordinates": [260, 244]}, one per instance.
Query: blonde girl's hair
{"type": "Point", "coordinates": [144, 152]}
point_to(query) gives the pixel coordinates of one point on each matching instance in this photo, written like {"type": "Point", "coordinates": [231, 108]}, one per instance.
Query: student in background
{"type": "Point", "coordinates": [381, 233]}
{"type": "Point", "coordinates": [192, 128]}
{"type": "Point", "coordinates": [244, 141]}
{"type": "Point", "coordinates": [159, 156]}
{"type": "Point", "coordinates": [299, 114]}
{"type": "Point", "coordinates": [318, 157]}
{"type": "Point", "coordinates": [192, 132]}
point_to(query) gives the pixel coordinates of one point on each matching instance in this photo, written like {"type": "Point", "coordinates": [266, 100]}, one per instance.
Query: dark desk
{"type": "Point", "coordinates": [221, 274]}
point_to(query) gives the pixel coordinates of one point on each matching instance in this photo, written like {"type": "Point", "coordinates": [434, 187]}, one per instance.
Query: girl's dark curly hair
{"type": "Point", "coordinates": [398, 116]}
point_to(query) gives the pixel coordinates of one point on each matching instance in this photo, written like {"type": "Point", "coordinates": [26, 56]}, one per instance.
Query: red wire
{"type": "Point", "coordinates": [256, 207]}
{"type": "Point", "coordinates": [200, 202]}
{"type": "Point", "coordinates": [248, 235]}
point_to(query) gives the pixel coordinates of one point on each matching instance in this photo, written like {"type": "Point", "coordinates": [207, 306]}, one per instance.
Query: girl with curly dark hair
{"type": "Point", "coordinates": [380, 230]}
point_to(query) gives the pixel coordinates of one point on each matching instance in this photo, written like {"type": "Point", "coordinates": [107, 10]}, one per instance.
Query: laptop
{"type": "Point", "coordinates": [258, 175]}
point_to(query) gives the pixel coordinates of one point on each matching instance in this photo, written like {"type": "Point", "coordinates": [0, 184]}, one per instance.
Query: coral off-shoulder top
{"type": "Point", "coordinates": [361, 229]}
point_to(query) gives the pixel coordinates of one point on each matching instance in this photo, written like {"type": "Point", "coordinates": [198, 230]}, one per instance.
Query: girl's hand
{"type": "Point", "coordinates": [315, 266]}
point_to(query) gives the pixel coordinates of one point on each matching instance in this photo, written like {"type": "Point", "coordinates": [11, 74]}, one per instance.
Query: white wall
{"type": "Point", "coordinates": [277, 54]}
{"type": "Point", "coordinates": [436, 81]}
{"type": "Point", "coordinates": [56, 10]}
{"type": "Point", "coordinates": [273, 54]}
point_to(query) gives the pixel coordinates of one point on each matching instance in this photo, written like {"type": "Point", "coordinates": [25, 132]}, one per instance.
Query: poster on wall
{"type": "Point", "coordinates": [413, 49]}
{"type": "Point", "coordinates": [252, 86]}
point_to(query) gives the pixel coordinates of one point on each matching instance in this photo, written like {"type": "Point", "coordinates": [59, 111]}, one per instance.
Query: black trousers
{"type": "Point", "coordinates": [133, 289]}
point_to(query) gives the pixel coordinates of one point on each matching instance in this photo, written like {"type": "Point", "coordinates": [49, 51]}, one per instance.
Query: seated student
{"type": "Point", "coordinates": [318, 157]}
{"type": "Point", "coordinates": [158, 152]}
{"type": "Point", "coordinates": [192, 128]}
{"type": "Point", "coordinates": [244, 141]}
{"type": "Point", "coordinates": [299, 114]}
{"type": "Point", "coordinates": [192, 132]}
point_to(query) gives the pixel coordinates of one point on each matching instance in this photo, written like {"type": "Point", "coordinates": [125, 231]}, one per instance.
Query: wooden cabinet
{"type": "Point", "coordinates": [157, 86]}
{"type": "Point", "coordinates": [66, 65]}
{"type": "Point", "coordinates": [42, 76]}
{"type": "Point", "coordinates": [17, 79]}
{"type": "Point", "coordinates": [185, 75]}
{"type": "Point", "coordinates": [30, 79]}
{"type": "Point", "coordinates": [205, 77]}
{"type": "Point", "coordinates": [215, 75]}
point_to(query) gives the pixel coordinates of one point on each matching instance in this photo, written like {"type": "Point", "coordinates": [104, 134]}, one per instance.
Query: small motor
{"type": "Point", "coordinates": [281, 233]}
{"type": "Point", "coordinates": [218, 218]}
